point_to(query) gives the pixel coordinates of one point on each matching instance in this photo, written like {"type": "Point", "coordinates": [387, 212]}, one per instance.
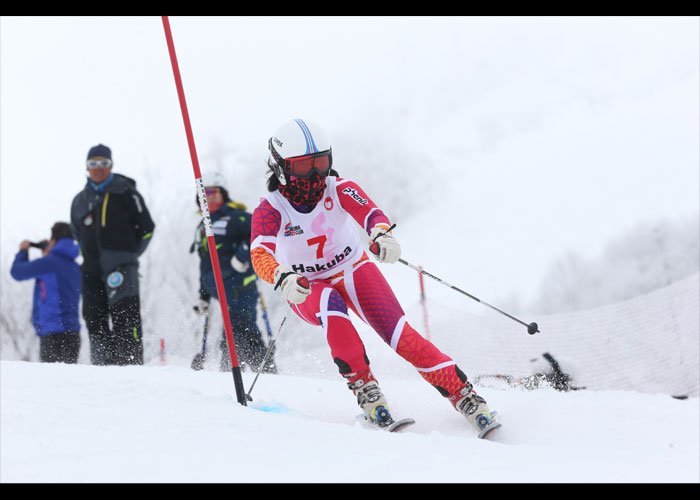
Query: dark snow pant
{"type": "Point", "coordinates": [114, 297]}
{"type": "Point", "coordinates": [242, 302]}
{"type": "Point", "coordinates": [60, 347]}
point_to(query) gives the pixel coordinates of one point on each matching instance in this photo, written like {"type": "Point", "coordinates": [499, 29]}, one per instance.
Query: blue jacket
{"type": "Point", "coordinates": [57, 287]}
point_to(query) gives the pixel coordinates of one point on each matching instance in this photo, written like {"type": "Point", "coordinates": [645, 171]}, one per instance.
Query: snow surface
{"type": "Point", "coordinates": [87, 424]}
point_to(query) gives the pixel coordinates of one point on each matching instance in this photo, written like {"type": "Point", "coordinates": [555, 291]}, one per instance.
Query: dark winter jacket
{"type": "Point", "coordinates": [111, 223]}
{"type": "Point", "coordinates": [231, 228]}
{"type": "Point", "coordinates": [57, 287]}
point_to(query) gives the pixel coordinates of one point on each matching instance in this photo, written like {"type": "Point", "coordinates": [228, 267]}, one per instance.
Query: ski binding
{"type": "Point", "coordinates": [386, 422]}
{"type": "Point", "coordinates": [487, 426]}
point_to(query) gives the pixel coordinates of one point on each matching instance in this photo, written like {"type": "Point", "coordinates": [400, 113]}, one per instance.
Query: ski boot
{"type": "Point", "coordinates": [476, 411]}
{"type": "Point", "coordinates": [372, 402]}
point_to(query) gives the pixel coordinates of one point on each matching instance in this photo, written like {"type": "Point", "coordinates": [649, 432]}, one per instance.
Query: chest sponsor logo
{"type": "Point", "coordinates": [290, 230]}
{"type": "Point", "coordinates": [352, 193]}
{"type": "Point", "coordinates": [317, 268]}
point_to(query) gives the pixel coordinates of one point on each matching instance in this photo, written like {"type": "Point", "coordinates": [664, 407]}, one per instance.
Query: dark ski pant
{"type": "Point", "coordinates": [60, 347]}
{"type": "Point", "coordinates": [242, 302]}
{"type": "Point", "coordinates": [106, 298]}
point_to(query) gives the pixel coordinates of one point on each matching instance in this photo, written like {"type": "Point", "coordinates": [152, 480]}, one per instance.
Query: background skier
{"type": "Point", "coordinates": [231, 228]}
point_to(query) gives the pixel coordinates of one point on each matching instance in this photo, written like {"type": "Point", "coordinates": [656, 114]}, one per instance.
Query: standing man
{"type": "Point", "coordinates": [110, 220]}
{"type": "Point", "coordinates": [56, 294]}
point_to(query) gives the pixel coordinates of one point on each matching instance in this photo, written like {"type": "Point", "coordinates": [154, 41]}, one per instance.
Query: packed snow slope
{"type": "Point", "coordinates": [81, 423]}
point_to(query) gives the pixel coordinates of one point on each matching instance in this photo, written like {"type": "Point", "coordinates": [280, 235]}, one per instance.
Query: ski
{"type": "Point", "coordinates": [487, 431]}
{"type": "Point", "coordinates": [399, 425]}
{"type": "Point", "coordinates": [390, 425]}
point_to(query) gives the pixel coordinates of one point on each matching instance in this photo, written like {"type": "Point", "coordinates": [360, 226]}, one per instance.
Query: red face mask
{"type": "Point", "coordinates": [305, 191]}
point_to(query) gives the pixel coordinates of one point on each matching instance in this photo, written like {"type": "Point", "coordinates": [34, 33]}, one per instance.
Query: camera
{"type": "Point", "coordinates": [41, 245]}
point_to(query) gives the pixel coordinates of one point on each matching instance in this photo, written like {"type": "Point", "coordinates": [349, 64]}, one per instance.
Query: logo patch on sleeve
{"type": "Point", "coordinates": [352, 193]}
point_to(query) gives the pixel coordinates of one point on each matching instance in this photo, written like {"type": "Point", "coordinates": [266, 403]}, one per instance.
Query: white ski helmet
{"type": "Point", "coordinates": [214, 178]}
{"type": "Point", "coordinates": [293, 139]}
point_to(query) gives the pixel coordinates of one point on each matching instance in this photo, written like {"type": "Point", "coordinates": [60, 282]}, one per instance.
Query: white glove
{"type": "Point", "coordinates": [239, 266]}
{"type": "Point", "coordinates": [385, 248]}
{"type": "Point", "coordinates": [202, 307]}
{"type": "Point", "coordinates": [294, 287]}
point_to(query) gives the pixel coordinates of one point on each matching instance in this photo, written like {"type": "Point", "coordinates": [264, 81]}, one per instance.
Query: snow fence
{"type": "Point", "coordinates": [649, 344]}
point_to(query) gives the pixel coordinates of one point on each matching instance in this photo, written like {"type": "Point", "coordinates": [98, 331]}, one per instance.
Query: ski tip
{"type": "Point", "coordinates": [489, 431]}
{"type": "Point", "coordinates": [401, 424]}
{"type": "Point", "coordinates": [394, 426]}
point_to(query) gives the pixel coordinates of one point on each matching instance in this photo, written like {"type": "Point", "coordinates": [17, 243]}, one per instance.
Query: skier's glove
{"type": "Point", "coordinates": [294, 287]}
{"type": "Point", "coordinates": [201, 307]}
{"type": "Point", "coordinates": [238, 266]}
{"type": "Point", "coordinates": [383, 245]}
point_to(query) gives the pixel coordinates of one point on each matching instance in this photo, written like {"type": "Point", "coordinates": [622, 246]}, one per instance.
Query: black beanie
{"type": "Point", "coordinates": [99, 150]}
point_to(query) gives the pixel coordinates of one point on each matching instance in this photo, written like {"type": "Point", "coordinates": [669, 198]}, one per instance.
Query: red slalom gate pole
{"type": "Point", "coordinates": [204, 208]}
{"type": "Point", "coordinates": [162, 351]}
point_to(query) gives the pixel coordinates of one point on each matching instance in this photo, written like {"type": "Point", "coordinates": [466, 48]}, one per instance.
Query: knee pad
{"type": "Point", "coordinates": [345, 369]}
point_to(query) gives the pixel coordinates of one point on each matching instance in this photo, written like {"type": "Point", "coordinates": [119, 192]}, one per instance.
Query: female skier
{"type": "Point", "coordinates": [304, 242]}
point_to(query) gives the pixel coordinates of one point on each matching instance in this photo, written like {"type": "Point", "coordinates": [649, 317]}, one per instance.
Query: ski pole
{"type": "Point", "coordinates": [265, 316]}
{"type": "Point", "coordinates": [423, 305]}
{"type": "Point", "coordinates": [198, 361]}
{"type": "Point", "coordinates": [532, 328]}
{"type": "Point", "coordinates": [267, 354]}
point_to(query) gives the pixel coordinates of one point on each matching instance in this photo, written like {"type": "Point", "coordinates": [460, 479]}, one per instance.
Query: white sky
{"type": "Point", "coordinates": [572, 129]}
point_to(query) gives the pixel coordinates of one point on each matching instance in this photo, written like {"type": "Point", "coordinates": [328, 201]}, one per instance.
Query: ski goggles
{"type": "Point", "coordinates": [99, 163]}
{"type": "Point", "coordinates": [304, 166]}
